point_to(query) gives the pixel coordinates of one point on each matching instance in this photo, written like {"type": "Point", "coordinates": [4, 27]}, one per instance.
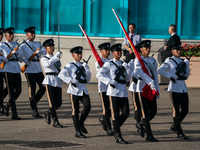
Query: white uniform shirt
{"type": "Point", "coordinates": [132, 73]}
{"type": "Point", "coordinates": [1, 51]}
{"type": "Point", "coordinates": [33, 67]}
{"type": "Point", "coordinates": [168, 69]}
{"type": "Point", "coordinates": [68, 75]}
{"type": "Point", "coordinates": [12, 66]}
{"type": "Point", "coordinates": [107, 74]}
{"type": "Point", "coordinates": [136, 39]}
{"type": "Point", "coordinates": [101, 86]}
{"type": "Point", "coordinates": [151, 66]}
{"type": "Point", "coordinates": [48, 66]}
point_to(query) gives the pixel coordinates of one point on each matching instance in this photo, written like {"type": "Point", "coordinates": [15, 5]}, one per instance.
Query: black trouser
{"type": "Point", "coordinates": [137, 107]}
{"type": "Point", "coordinates": [119, 104]}
{"type": "Point", "coordinates": [54, 95]}
{"type": "Point", "coordinates": [32, 79]}
{"type": "Point", "coordinates": [149, 110]}
{"type": "Point", "coordinates": [13, 81]}
{"type": "Point", "coordinates": [106, 109]}
{"type": "Point", "coordinates": [165, 54]}
{"type": "Point", "coordinates": [129, 56]}
{"type": "Point", "coordinates": [180, 104]}
{"type": "Point", "coordinates": [3, 91]}
{"type": "Point", "coordinates": [85, 99]}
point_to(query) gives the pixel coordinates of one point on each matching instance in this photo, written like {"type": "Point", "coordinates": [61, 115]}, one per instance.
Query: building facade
{"type": "Point", "coordinates": [152, 19]}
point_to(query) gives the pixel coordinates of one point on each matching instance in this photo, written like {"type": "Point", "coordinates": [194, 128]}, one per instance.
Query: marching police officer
{"type": "Point", "coordinates": [177, 70]}
{"type": "Point", "coordinates": [33, 72]}
{"type": "Point", "coordinates": [113, 73]}
{"type": "Point", "coordinates": [149, 107]}
{"type": "Point", "coordinates": [106, 124]}
{"type": "Point", "coordinates": [135, 97]}
{"type": "Point", "coordinates": [51, 65]}
{"type": "Point", "coordinates": [3, 91]}
{"type": "Point", "coordinates": [77, 74]}
{"type": "Point", "coordinates": [12, 71]}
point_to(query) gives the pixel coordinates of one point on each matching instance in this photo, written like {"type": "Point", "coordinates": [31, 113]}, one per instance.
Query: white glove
{"type": "Point", "coordinates": [15, 52]}
{"type": "Point", "coordinates": [85, 65]}
{"type": "Point", "coordinates": [38, 52]}
{"type": "Point", "coordinates": [152, 85]}
{"type": "Point", "coordinates": [5, 59]}
{"type": "Point", "coordinates": [58, 54]}
{"type": "Point", "coordinates": [187, 62]}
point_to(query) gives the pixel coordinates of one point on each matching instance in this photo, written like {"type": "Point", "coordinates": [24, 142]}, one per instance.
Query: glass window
{"type": "Point", "coordinates": [70, 16]}
{"type": "Point", "coordinates": [24, 13]}
{"type": "Point", "coordinates": [152, 17]}
{"type": "Point", "coordinates": [103, 21]}
{"type": "Point", "coordinates": [190, 18]}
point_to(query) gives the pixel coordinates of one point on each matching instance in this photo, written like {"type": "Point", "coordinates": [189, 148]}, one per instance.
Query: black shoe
{"type": "Point", "coordinates": [83, 129]}
{"type": "Point", "coordinates": [48, 117]}
{"type": "Point", "coordinates": [121, 141]}
{"type": "Point", "coordinates": [173, 128]}
{"type": "Point", "coordinates": [79, 135]}
{"type": "Point", "coordinates": [182, 136]}
{"type": "Point", "coordinates": [2, 110]}
{"type": "Point", "coordinates": [102, 123]}
{"type": "Point", "coordinates": [16, 118]}
{"type": "Point", "coordinates": [151, 139]}
{"type": "Point", "coordinates": [36, 115]}
{"type": "Point", "coordinates": [140, 129]}
{"type": "Point", "coordinates": [110, 132]}
{"type": "Point", "coordinates": [57, 124]}
{"type": "Point", "coordinates": [6, 106]}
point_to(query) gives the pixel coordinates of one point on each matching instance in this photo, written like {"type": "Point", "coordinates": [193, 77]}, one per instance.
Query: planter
{"type": "Point", "coordinates": [194, 78]}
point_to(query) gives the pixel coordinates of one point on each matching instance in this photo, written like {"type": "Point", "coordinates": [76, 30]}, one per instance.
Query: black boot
{"type": "Point", "coordinates": [118, 136]}
{"type": "Point", "coordinates": [140, 128]}
{"type": "Point", "coordinates": [2, 109]}
{"type": "Point", "coordinates": [180, 133]}
{"type": "Point", "coordinates": [102, 121]}
{"type": "Point", "coordinates": [173, 128]}
{"type": "Point", "coordinates": [48, 116]}
{"type": "Point", "coordinates": [6, 108]}
{"type": "Point", "coordinates": [55, 119]}
{"type": "Point", "coordinates": [14, 110]}
{"type": "Point", "coordinates": [78, 133]}
{"type": "Point", "coordinates": [33, 105]}
{"type": "Point", "coordinates": [106, 119]}
{"type": "Point", "coordinates": [150, 136]}
{"type": "Point", "coordinates": [83, 129]}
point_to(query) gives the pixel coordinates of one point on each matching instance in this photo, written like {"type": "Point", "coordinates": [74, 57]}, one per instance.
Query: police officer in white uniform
{"type": "Point", "coordinates": [177, 70]}
{"type": "Point", "coordinates": [3, 91]}
{"type": "Point", "coordinates": [51, 65]}
{"type": "Point", "coordinates": [149, 107]}
{"type": "Point", "coordinates": [33, 72]}
{"type": "Point", "coordinates": [77, 74]}
{"type": "Point", "coordinates": [135, 97]}
{"type": "Point", "coordinates": [113, 73]}
{"type": "Point", "coordinates": [12, 71]}
{"type": "Point", "coordinates": [102, 88]}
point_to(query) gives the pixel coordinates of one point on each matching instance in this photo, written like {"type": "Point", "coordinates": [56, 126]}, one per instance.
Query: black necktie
{"type": "Point", "coordinates": [132, 38]}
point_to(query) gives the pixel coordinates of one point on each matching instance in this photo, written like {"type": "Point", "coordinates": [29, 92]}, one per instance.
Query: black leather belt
{"type": "Point", "coordinates": [52, 73]}
{"type": "Point", "coordinates": [13, 59]}
{"type": "Point", "coordinates": [35, 60]}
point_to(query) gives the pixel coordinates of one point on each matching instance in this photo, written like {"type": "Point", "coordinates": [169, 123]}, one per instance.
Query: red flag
{"type": "Point", "coordinates": [96, 55]}
{"type": "Point", "coordinates": [147, 92]}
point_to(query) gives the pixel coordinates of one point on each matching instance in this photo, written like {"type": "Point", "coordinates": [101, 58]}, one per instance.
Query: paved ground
{"type": "Point", "coordinates": [30, 133]}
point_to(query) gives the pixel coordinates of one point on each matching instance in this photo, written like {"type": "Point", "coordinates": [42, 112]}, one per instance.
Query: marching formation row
{"type": "Point", "coordinates": [113, 75]}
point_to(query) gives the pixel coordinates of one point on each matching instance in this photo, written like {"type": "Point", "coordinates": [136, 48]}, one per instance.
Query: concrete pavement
{"type": "Point", "coordinates": [30, 133]}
